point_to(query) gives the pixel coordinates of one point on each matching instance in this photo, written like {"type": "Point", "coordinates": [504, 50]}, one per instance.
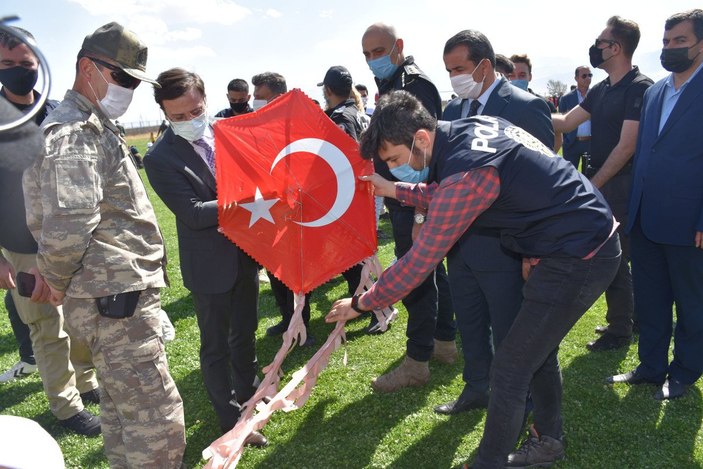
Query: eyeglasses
{"type": "Point", "coordinates": [121, 77]}
{"type": "Point", "coordinates": [610, 42]}
{"type": "Point", "coordinates": [586, 75]}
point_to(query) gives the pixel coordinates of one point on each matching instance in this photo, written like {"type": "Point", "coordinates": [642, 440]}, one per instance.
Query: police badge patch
{"type": "Point", "coordinates": [527, 140]}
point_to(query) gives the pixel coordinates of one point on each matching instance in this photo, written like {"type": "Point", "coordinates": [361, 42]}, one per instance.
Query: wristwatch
{"type": "Point", "coordinates": [419, 218]}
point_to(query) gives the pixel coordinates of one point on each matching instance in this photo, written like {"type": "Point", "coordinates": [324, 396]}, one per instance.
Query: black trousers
{"type": "Point", "coordinates": [430, 311]}
{"type": "Point", "coordinates": [619, 296]}
{"type": "Point", "coordinates": [227, 323]}
{"type": "Point", "coordinates": [284, 296]}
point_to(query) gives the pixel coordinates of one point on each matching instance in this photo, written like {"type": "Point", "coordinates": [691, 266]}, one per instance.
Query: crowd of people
{"type": "Point", "coordinates": [531, 240]}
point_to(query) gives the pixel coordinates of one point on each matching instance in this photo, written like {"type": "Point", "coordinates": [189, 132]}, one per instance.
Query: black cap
{"type": "Point", "coordinates": [338, 80]}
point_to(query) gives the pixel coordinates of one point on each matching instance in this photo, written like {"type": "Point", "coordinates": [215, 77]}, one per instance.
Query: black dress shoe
{"type": "Point", "coordinates": [671, 389]}
{"type": "Point", "coordinates": [92, 396]}
{"type": "Point", "coordinates": [463, 404]}
{"type": "Point", "coordinates": [601, 329]}
{"type": "Point", "coordinates": [608, 341]}
{"type": "Point", "coordinates": [277, 329]}
{"type": "Point", "coordinates": [309, 341]}
{"type": "Point", "coordinates": [631, 378]}
{"type": "Point", "coordinates": [257, 440]}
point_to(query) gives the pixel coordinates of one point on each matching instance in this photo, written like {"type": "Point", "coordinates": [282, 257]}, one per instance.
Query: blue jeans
{"type": "Point", "coordinates": [557, 293]}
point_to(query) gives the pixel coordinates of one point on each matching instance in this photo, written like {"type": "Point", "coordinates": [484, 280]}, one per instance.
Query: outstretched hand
{"type": "Point", "coordinates": [341, 311]}
{"type": "Point", "coordinates": [383, 187]}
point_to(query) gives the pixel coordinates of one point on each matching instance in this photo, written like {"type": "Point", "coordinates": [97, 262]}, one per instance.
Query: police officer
{"type": "Point", "coordinates": [485, 174]}
{"type": "Point", "coordinates": [431, 328]}
{"type": "Point", "coordinates": [101, 252]}
{"type": "Point", "coordinates": [341, 107]}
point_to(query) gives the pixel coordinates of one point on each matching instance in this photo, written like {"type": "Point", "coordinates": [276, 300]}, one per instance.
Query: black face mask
{"type": "Point", "coordinates": [238, 107]}
{"type": "Point", "coordinates": [595, 55]}
{"type": "Point", "coordinates": [676, 59]}
{"type": "Point", "coordinates": [19, 80]}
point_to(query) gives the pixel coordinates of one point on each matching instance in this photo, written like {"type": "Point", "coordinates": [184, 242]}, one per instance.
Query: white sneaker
{"type": "Point", "coordinates": [263, 277]}
{"type": "Point", "coordinates": [18, 371]}
{"type": "Point", "coordinates": [167, 329]}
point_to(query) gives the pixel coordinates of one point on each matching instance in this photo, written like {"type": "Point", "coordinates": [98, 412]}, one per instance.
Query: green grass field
{"type": "Point", "coordinates": [346, 425]}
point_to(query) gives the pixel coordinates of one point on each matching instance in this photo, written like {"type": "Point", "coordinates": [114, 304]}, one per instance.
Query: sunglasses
{"type": "Point", "coordinates": [121, 77]}
{"type": "Point", "coordinates": [586, 75]}
{"type": "Point", "coordinates": [610, 42]}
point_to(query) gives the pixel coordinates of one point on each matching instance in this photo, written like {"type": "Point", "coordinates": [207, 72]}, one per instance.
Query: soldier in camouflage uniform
{"type": "Point", "coordinates": [101, 252]}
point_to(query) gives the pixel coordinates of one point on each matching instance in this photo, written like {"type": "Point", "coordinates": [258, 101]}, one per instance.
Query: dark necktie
{"type": "Point", "coordinates": [473, 108]}
{"type": "Point", "coordinates": [209, 153]}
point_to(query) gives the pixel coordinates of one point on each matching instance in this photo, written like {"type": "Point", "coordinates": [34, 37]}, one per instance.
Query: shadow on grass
{"type": "Point", "coordinates": [16, 392]}
{"type": "Point", "coordinates": [8, 344]}
{"type": "Point", "coordinates": [649, 433]}
{"type": "Point", "coordinates": [350, 437]}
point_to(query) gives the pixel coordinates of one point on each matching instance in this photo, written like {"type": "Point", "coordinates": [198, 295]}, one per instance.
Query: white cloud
{"type": "Point", "coordinates": [273, 13]}
{"type": "Point", "coordinates": [182, 54]}
{"type": "Point", "coordinates": [225, 12]}
{"type": "Point", "coordinates": [326, 13]}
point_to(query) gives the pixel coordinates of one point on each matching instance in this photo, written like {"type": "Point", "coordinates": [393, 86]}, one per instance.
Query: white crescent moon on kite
{"type": "Point", "coordinates": [341, 167]}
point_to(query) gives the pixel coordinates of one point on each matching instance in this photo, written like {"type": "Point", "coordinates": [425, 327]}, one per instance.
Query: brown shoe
{"type": "Point", "coordinates": [256, 440]}
{"type": "Point", "coordinates": [409, 373]}
{"type": "Point", "coordinates": [445, 351]}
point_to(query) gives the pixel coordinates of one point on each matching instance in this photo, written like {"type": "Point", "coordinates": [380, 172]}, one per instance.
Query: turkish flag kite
{"type": "Point", "coordinates": [300, 209]}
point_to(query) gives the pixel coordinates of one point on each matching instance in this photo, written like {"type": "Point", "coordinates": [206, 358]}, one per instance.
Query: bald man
{"type": "Point", "coordinates": [431, 328]}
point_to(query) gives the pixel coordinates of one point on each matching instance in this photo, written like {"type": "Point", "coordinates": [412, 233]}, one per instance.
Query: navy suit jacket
{"type": "Point", "coordinates": [209, 261]}
{"type": "Point", "coordinates": [483, 250]}
{"type": "Point", "coordinates": [515, 105]}
{"type": "Point", "coordinates": [567, 102]}
{"type": "Point", "coordinates": [667, 186]}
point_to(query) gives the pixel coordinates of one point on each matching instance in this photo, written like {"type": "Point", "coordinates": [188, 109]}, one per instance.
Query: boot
{"type": "Point", "coordinates": [409, 373]}
{"type": "Point", "coordinates": [445, 351]}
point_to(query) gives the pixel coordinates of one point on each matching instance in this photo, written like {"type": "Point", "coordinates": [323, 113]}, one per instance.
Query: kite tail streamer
{"type": "Point", "coordinates": [226, 451]}
{"type": "Point", "coordinates": [370, 271]}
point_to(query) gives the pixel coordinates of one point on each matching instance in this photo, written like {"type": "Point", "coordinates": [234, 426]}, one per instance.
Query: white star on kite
{"type": "Point", "coordinates": [259, 208]}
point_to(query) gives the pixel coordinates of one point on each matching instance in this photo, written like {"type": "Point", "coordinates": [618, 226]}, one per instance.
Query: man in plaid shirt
{"type": "Point", "coordinates": [487, 173]}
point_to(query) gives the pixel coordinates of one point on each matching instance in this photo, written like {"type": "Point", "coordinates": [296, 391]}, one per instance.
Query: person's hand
{"type": "Point", "coordinates": [7, 275]}
{"type": "Point", "coordinates": [56, 296]}
{"type": "Point", "coordinates": [383, 187]}
{"type": "Point", "coordinates": [42, 291]}
{"type": "Point", "coordinates": [341, 311]}
{"type": "Point", "coordinates": [699, 239]}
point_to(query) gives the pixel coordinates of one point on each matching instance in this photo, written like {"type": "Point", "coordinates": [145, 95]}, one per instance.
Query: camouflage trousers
{"type": "Point", "coordinates": [141, 411]}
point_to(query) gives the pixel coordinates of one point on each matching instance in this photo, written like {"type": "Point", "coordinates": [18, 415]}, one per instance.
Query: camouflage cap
{"type": "Point", "coordinates": [115, 42]}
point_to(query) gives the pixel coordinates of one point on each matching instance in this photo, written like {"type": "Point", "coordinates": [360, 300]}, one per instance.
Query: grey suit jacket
{"type": "Point", "coordinates": [208, 260]}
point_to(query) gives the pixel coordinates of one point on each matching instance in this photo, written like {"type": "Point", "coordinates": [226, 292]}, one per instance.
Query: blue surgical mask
{"type": "Point", "coordinates": [407, 173]}
{"type": "Point", "coordinates": [382, 67]}
{"type": "Point", "coordinates": [522, 84]}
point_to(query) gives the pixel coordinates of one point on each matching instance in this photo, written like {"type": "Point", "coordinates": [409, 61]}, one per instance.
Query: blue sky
{"type": "Point", "coordinates": [223, 39]}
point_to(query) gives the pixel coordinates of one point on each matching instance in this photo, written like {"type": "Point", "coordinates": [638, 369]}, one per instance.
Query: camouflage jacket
{"type": "Point", "coordinates": [88, 209]}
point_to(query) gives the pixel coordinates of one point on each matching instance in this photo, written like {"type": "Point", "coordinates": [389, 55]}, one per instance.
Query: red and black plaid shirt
{"type": "Point", "coordinates": [452, 207]}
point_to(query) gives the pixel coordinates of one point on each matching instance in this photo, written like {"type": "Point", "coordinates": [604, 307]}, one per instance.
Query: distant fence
{"type": "Point", "coordinates": [142, 127]}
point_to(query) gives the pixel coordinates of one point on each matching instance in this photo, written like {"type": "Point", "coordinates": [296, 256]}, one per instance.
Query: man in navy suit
{"type": "Point", "coordinates": [666, 216]}
{"type": "Point", "coordinates": [485, 279]}
{"type": "Point", "coordinates": [223, 280]}
{"type": "Point", "coordinates": [578, 141]}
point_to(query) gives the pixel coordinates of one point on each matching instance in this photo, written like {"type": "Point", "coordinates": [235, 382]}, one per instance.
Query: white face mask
{"type": "Point", "coordinates": [193, 129]}
{"type": "Point", "coordinates": [258, 104]}
{"type": "Point", "coordinates": [464, 85]}
{"type": "Point", "coordinates": [117, 99]}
